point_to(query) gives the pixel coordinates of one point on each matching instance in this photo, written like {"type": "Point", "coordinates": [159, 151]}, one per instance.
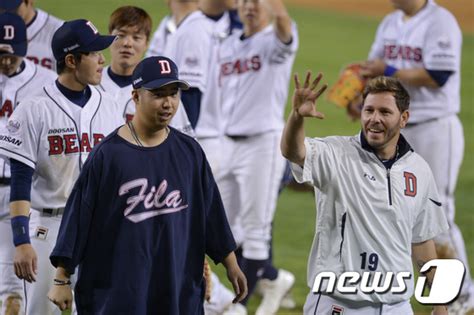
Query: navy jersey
{"type": "Point", "coordinates": [138, 223]}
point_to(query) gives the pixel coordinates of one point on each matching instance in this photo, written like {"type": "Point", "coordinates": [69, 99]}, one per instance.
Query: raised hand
{"type": "Point", "coordinates": [304, 97]}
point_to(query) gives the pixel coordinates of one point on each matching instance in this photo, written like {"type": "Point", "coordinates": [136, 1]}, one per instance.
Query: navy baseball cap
{"type": "Point", "coordinates": [10, 5]}
{"type": "Point", "coordinates": [78, 36]}
{"type": "Point", "coordinates": [12, 35]}
{"type": "Point", "coordinates": [155, 72]}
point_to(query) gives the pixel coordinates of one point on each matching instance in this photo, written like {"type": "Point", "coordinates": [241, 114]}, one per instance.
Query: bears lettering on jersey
{"type": "Point", "coordinates": [7, 109]}
{"type": "Point", "coordinates": [241, 66]}
{"type": "Point", "coordinates": [392, 52]}
{"type": "Point", "coordinates": [45, 62]}
{"type": "Point", "coordinates": [68, 144]}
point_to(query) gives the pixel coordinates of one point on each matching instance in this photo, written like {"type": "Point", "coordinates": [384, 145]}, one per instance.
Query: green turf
{"type": "Point", "coordinates": [327, 42]}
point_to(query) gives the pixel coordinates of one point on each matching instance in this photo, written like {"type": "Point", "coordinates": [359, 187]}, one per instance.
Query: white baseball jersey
{"type": "Point", "coordinates": [40, 34]}
{"type": "Point", "coordinates": [54, 136]}
{"type": "Point", "coordinates": [432, 40]}
{"type": "Point", "coordinates": [123, 96]}
{"type": "Point", "coordinates": [193, 47]}
{"type": "Point", "coordinates": [254, 79]}
{"type": "Point", "coordinates": [368, 216]}
{"type": "Point", "coordinates": [16, 89]}
{"type": "Point", "coordinates": [158, 42]}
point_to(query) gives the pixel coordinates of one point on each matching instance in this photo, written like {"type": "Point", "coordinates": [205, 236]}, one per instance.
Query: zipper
{"type": "Point", "coordinates": [389, 188]}
{"type": "Point", "coordinates": [343, 225]}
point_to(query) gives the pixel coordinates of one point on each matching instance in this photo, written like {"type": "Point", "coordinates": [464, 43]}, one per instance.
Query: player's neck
{"type": "Point", "coordinates": [29, 15]}
{"type": "Point", "coordinates": [181, 12]}
{"type": "Point", "coordinates": [145, 135]}
{"type": "Point", "coordinates": [118, 70]}
{"type": "Point", "coordinates": [388, 151]}
{"type": "Point", "coordinates": [414, 7]}
{"type": "Point", "coordinates": [70, 82]}
{"type": "Point", "coordinates": [211, 10]}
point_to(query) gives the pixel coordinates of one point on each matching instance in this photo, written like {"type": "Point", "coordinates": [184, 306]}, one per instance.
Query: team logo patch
{"type": "Point", "coordinates": [191, 61]}
{"type": "Point", "coordinates": [337, 310]}
{"type": "Point", "coordinates": [444, 43]}
{"type": "Point", "coordinates": [13, 126]}
{"type": "Point", "coordinates": [41, 232]}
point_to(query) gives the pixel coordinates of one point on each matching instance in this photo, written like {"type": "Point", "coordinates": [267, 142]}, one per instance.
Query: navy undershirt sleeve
{"type": "Point", "coordinates": [440, 76]}
{"type": "Point", "coordinates": [192, 104]}
{"type": "Point", "coordinates": [20, 185]}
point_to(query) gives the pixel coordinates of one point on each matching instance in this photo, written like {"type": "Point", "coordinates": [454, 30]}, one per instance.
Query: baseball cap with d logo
{"type": "Point", "coordinates": [12, 35]}
{"type": "Point", "coordinates": [155, 72]}
{"type": "Point", "coordinates": [78, 36]}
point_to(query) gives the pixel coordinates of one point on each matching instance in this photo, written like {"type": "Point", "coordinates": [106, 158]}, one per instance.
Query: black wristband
{"type": "Point", "coordinates": [61, 282]}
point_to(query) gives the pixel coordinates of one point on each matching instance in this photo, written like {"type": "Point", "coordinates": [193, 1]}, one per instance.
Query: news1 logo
{"type": "Point", "coordinates": [446, 285]}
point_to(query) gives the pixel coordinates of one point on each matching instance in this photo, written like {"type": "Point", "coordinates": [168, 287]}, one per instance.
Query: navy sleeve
{"type": "Point", "coordinates": [440, 76]}
{"type": "Point", "coordinates": [219, 239]}
{"type": "Point", "coordinates": [20, 185]}
{"type": "Point", "coordinates": [77, 218]}
{"type": "Point", "coordinates": [192, 104]}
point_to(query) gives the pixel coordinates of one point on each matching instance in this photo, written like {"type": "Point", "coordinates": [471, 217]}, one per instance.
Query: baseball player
{"type": "Point", "coordinates": [40, 29]}
{"type": "Point", "coordinates": [376, 198]}
{"type": "Point", "coordinates": [252, 164]}
{"type": "Point", "coordinates": [20, 78]}
{"type": "Point", "coordinates": [48, 138]}
{"type": "Point", "coordinates": [193, 46]}
{"type": "Point", "coordinates": [420, 44]}
{"type": "Point", "coordinates": [132, 26]}
{"type": "Point", "coordinates": [169, 209]}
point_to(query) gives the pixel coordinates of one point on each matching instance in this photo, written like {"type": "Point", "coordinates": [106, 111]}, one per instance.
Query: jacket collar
{"type": "Point", "coordinates": [403, 145]}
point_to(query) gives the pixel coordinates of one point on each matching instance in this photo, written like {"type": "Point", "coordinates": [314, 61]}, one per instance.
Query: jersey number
{"type": "Point", "coordinates": [371, 263]}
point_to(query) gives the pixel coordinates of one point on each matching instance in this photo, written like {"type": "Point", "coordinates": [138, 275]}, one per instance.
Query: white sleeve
{"type": "Point", "coordinates": [431, 220]}
{"type": "Point", "coordinates": [318, 164]}
{"type": "Point", "coordinates": [20, 139]}
{"type": "Point", "coordinates": [279, 51]}
{"type": "Point", "coordinates": [377, 49]}
{"type": "Point", "coordinates": [191, 54]}
{"type": "Point", "coordinates": [442, 49]}
{"type": "Point", "coordinates": [157, 43]}
{"type": "Point", "coordinates": [181, 122]}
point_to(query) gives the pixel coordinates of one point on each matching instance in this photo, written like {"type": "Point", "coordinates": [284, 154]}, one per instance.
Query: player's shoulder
{"type": "Point", "coordinates": [51, 20]}
{"type": "Point", "coordinates": [186, 143]}
{"type": "Point", "coordinates": [195, 22]}
{"type": "Point", "coordinates": [442, 16]}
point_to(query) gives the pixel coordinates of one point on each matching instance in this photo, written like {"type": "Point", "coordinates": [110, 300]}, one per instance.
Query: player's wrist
{"type": "Point", "coordinates": [20, 230]}
{"type": "Point", "coordinates": [61, 282]}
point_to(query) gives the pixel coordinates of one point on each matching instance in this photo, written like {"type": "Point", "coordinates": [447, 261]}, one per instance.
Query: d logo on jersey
{"type": "Point", "coordinates": [165, 66]}
{"type": "Point", "coordinates": [9, 33]}
{"type": "Point", "coordinates": [410, 184]}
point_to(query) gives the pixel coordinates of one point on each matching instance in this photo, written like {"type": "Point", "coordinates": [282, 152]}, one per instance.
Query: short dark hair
{"type": "Point", "coordinates": [392, 85]}
{"type": "Point", "coordinates": [130, 16]}
{"type": "Point", "coordinates": [61, 64]}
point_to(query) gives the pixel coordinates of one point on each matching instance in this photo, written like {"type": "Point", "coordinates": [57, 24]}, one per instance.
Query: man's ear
{"type": "Point", "coordinates": [404, 119]}
{"type": "Point", "coordinates": [135, 96]}
{"type": "Point", "coordinates": [70, 61]}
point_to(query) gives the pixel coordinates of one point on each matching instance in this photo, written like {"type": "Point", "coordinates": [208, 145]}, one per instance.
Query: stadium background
{"type": "Point", "coordinates": [332, 34]}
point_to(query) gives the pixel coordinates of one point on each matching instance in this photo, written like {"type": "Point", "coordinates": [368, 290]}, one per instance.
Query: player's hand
{"type": "Point", "coordinates": [239, 283]}
{"type": "Point", "coordinates": [26, 262]}
{"type": "Point", "coordinates": [61, 295]}
{"type": "Point", "coordinates": [304, 97]}
{"type": "Point", "coordinates": [355, 108]}
{"type": "Point", "coordinates": [372, 68]}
